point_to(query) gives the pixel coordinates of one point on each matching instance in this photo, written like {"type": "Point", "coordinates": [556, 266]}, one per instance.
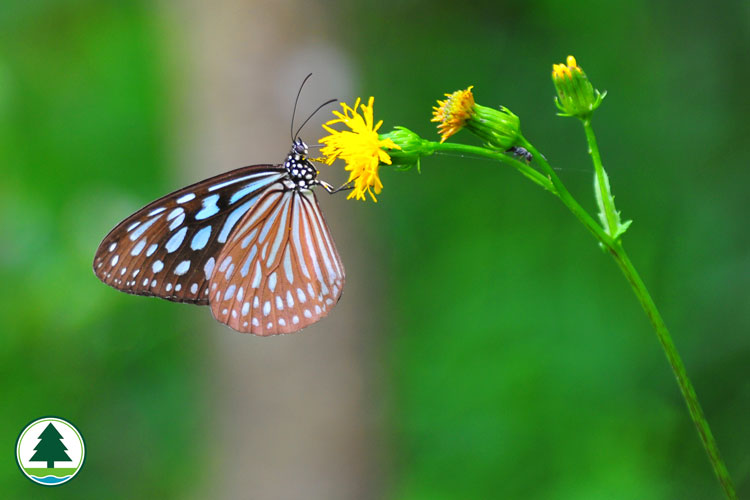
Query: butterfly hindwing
{"type": "Point", "coordinates": [167, 248]}
{"type": "Point", "coordinates": [280, 271]}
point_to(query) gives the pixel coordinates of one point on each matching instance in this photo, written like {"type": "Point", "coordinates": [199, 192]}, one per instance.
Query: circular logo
{"type": "Point", "coordinates": [50, 451]}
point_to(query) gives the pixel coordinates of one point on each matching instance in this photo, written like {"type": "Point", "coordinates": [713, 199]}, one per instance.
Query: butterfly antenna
{"type": "Point", "coordinates": [291, 125]}
{"type": "Point", "coordinates": [329, 101]}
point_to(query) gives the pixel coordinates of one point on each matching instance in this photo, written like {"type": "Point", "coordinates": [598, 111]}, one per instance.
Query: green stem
{"type": "Point", "coordinates": [602, 183]}
{"type": "Point", "coordinates": [522, 167]}
{"type": "Point", "coordinates": [641, 292]}
{"type": "Point", "coordinates": [581, 214]}
{"type": "Point", "coordinates": [678, 368]}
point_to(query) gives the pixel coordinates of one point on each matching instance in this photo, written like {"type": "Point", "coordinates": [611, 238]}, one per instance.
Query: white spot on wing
{"type": "Point", "coordinates": [253, 186]}
{"type": "Point", "coordinates": [176, 212]}
{"type": "Point", "coordinates": [209, 207]}
{"type": "Point", "coordinates": [177, 222]}
{"type": "Point", "coordinates": [186, 197]}
{"type": "Point", "coordinates": [281, 232]}
{"type": "Point", "coordinates": [232, 220]}
{"type": "Point", "coordinates": [138, 248]}
{"type": "Point", "coordinates": [288, 266]}
{"type": "Point", "coordinates": [201, 238]}
{"type": "Point", "coordinates": [246, 266]}
{"type": "Point", "coordinates": [257, 276]}
{"type": "Point", "coordinates": [176, 240]}
{"type": "Point", "coordinates": [142, 229]}
{"type": "Point", "coordinates": [209, 267]}
{"type": "Point", "coordinates": [239, 179]}
{"type": "Point", "coordinates": [225, 263]}
{"type": "Point", "coordinates": [182, 267]}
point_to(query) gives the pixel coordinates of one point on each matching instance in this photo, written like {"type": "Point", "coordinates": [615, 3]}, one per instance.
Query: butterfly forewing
{"type": "Point", "coordinates": [169, 248]}
{"type": "Point", "coordinates": [279, 271]}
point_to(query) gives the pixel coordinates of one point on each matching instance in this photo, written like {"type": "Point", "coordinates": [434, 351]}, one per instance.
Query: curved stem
{"type": "Point", "coordinates": [639, 288]}
{"type": "Point", "coordinates": [522, 167]}
{"type": "Point", "coordinates": [678, 368]}
{"type": "Point", "coordinates": [567, 198]}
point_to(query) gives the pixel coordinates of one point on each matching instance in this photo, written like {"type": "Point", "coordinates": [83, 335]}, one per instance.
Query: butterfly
{"type": "Point", "coordinates": [252, 243]}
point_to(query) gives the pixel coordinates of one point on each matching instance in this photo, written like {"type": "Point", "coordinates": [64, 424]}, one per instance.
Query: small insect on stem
{"type": "Point", "coordinates": [522, 153]}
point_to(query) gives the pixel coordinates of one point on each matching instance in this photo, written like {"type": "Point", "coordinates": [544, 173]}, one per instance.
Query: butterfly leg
{"type": "Point", "coordinates": [331, 190]}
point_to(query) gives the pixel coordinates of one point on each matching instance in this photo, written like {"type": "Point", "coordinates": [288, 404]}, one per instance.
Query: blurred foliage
{"type": "Point", "coordinates": [521, 365]}
{"type": "Point", "coordinates": [82, 124]}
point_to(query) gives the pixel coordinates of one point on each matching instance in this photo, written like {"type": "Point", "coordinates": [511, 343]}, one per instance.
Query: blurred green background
{"type": "Point", "coordinates": [512, 359]}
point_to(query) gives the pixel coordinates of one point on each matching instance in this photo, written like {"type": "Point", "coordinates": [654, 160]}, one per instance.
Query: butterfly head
{"type": "Point", "coordinates": [301, 171]}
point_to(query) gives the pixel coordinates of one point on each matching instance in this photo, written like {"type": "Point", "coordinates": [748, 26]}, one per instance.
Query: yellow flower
{"type": "Point", "coordinates": [576, 96]}
{"type": "Point", "coordinates": [361, 148]}
{"type": "Point", "coordinates": [453, 112]}
{"type": "Point", "coordinates": [566, 70]}
{"type": "Point", "coordinates": [498, 128]}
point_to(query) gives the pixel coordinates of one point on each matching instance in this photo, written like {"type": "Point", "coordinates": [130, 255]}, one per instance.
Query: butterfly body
{"type": "Point", "coordinates": [252, 243]}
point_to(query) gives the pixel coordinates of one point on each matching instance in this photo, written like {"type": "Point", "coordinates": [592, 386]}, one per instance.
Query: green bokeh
{"type": "Point", "coordinates": [81, 143]}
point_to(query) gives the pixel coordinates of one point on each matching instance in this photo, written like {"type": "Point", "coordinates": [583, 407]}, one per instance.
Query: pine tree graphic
{"type": "Point", "coordinates": [50, 448]}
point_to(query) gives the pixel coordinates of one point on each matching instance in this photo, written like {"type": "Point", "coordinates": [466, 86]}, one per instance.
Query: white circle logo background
{"type": "Point", "coordinates": [71, 439]}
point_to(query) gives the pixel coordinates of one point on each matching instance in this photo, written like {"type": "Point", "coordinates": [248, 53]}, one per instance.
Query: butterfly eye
{"type": "Point", "coordinates": [300, 147]}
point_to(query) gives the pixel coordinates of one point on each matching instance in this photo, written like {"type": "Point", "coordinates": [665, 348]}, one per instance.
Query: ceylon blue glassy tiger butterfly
{"type": "Point", "coordinates": [252, 243]}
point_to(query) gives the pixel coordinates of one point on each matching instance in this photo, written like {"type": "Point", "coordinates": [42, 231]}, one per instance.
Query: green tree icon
{"type": "Point", "coordinates": [50, 448]}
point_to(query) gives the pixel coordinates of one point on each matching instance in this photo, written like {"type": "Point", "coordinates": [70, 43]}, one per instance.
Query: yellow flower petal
{"type": "Point", "coordinates": [453, 112]}
{"type": "Point", "coordinates": [565, 70]}
{"type": "Point", "coordinates": [360, 147]}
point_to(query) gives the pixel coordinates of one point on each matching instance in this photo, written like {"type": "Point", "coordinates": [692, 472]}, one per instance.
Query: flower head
{"type": "Point", "coordinates": [498, 128]}
{"type": "Point", "coordinates": [360, 147]}
{"type": "Point", "coordinates": [576, 95]}
{"type": "Point", "coordinates": [453, 112]}
{"type": "Point", "coordinates": [411, 147]}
